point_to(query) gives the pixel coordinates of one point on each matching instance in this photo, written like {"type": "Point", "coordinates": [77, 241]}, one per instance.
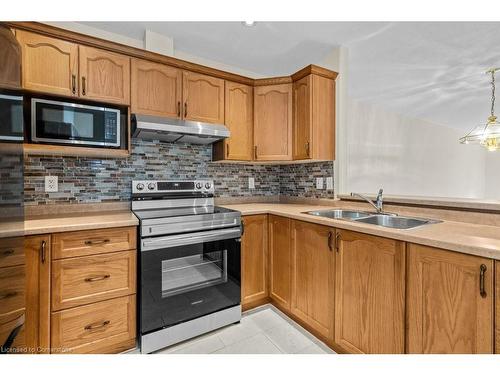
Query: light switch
{"type": "Point", "coordinates": [51, 184]}
{"type": "Point", "coordinates": [251, 183]}
{"type": "Point", "coordinates": [329, 183]}
{"type": "Point", "coordinates": [319, 183]}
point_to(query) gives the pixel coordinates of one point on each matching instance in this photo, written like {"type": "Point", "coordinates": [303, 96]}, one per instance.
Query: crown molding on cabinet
{"type": "Point", "coordinates": [91, 41]}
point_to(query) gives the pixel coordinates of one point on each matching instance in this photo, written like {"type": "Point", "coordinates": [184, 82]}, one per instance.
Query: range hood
{"type": "Point", "coordinates": [175, 130]}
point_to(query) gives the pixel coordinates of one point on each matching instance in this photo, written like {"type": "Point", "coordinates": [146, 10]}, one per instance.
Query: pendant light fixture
{"type": "Point", "coordinates": [486, 135]}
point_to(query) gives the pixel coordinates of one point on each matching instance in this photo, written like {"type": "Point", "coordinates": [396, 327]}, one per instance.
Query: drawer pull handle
{"type": "Point", "coordinates": [43, 250]}
{"type": "Point", "coordinates": [185, 109]}
{"type": "Point", "coordinates": [8, 295]}
{"type": "Point", "coordinates": [6, 253]}
{"type": "Point", "coordinates": [73, 84]}
{"type": "Point", "coordinates": [330, 235]}
{"type": "Point", "coordinates": [337, 239]}
{"type": "Point", "coordinates": [84, 89]}
{"type": "Point", "coordinates": [179, 109]}
{"type": "Point", "coordinates": [96, 242]}
{"type": "Point", "coordinates": [97, 278]}
{"type": "Point", "coordinates": [97, 325]}
{"type": "Point", "coordinates": [482, 271]}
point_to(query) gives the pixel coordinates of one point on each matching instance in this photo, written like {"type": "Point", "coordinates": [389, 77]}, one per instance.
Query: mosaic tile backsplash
{"type": "Point", "coordinates": [93, 180]}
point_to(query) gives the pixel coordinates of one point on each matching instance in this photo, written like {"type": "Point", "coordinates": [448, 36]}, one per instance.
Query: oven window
{"type": "Point", "coordinates": [193, 272]}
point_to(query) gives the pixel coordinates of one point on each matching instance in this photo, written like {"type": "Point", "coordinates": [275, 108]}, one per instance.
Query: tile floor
{"type": "Point", "coordinates": [264, 330]}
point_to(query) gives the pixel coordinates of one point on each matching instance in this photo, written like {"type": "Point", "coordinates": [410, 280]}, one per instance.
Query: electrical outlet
{"type": "Point", "coordinates": [319, 183]}
{"type": "Point", "coordinates": [329, 183]}
{"type": "Point", "coordinates": [251, 183]}
{"type": "Point", "coordinates": [51, 184]}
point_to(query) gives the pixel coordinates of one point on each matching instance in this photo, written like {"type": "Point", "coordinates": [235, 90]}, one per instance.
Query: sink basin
{"type": "Point", "coordinates": [397, 222]}
{"type": "Point", "coordinates": [384, 220]}
{"type": "Point", "coordinates": [340, 214]}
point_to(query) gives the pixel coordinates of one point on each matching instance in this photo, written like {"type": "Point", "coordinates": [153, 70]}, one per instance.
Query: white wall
{"type": "Point", "coordinates": [492, 175]}
{"type": "Point", "coordinates": [408, 156]}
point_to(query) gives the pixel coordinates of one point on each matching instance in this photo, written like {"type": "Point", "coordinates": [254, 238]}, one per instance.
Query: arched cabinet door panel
{"type": "Point", "coordinates": [48, 65]}
{"type": "Point", "coordinates": [156, 89]}
{"type": "Point", "coordinates": [104, 76]}
{"type": "Point", "coordinates": [203, 98]}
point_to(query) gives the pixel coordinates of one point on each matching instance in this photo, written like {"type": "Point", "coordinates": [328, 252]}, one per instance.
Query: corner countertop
{"type": "Point", "coordinates": [70, 222]}
{"type": "Point", "coordinates": [474, 239]}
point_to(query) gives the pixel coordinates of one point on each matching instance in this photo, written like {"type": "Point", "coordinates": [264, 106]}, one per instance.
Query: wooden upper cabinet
{"type": "Point", "coordinates": [104, 76]}
{"type": "Point", "coordinates": [254, 259]}
{"type": "Point", "coordinates": [239, 120]}
{"type": "Point", "coordinates": [203, 98]}
{"type": "Point", "coordinates": [10, 59]}
{"type": "Point", "coordinates": [314, 118]}
{"type": "Point", "coordinates": [48, 65]}
{"type": "Point", "coordinates": [369, 294]}
{"type": "Point", "coordinates": [312, 293]}
{"type": "Point", "coordinates": [450, 302]}
{"type": "Point", "coordinates": [280, 260]}
{"type": "Point", "coordinates": [273, 122]}
{"type": "Point", "coordinates": [302, 118]}
{"type": "Point", "coordinates": [156, 89]}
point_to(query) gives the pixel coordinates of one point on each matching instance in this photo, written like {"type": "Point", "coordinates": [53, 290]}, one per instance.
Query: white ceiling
{"type": "Point", "coordinates": [432, 71]}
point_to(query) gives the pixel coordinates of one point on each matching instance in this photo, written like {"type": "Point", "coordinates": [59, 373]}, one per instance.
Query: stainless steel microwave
{"type": "Point", "coordinates": [11, 117]}
{"type": "Point", "coordinates": [73, 123]}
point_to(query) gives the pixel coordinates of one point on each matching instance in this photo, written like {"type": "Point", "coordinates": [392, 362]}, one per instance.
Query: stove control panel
{"type": "Point", "coordinates": [166, 187]}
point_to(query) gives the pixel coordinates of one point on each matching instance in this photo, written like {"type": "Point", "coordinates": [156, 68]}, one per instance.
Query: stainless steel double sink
{"type": "Point", "coordinates": [381, 219]}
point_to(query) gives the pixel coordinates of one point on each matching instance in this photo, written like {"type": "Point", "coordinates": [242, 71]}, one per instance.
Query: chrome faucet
{"type": "Point", "coordinates": [379, 202]}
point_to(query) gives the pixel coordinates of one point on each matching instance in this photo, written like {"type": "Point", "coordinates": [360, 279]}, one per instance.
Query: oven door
{"type": "Point", "coordinates": [11, 118]}
{"type": "Point", "coordinates": [58, 122]}
{"type": "Point", "coordinates": [187, 276]}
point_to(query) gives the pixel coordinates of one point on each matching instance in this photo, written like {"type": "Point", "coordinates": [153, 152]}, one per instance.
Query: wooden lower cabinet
{"type": "Point", "coordinates": [102, 327]}
{"type": "Point", "coordinates": [369, 294]}
{"type": "Point", "coordinates": [254, 260]}
{"type": "Point", "coordinates": [312, 287]}
{"type": "Point", "coordinates": [280, 260]}
{"type": "Point", "coordinates": [450, 302]}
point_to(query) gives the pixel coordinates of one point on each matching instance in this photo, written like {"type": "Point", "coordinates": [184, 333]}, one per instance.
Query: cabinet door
{"type": "Point", "coordinates": [254, 259]}
{"type": "Point", "coordinates": [447, 313]}
{"type": "Point", "coordinates": [323, 118]}
{"type": "Point", "coordinates": [369, 294]}
{"type": "Point", "coordinates": [302, 118]}
{"type": "Point", "coordinates": [273, 122]}
{"type": "Point", "coordinates": [203, 98]}
{"type": "Point", "coordinates": [10, 60]}
{"type": "Point", "coordinates": [156, 89]}
{"type": "Point", "coordinates": [280, 260]}
{"type": "Point", "coordinates": [497, 308]}
{"type": "Point", "coordinates": [37, 320]}
{"type": "Point", "coordinates": [239, 120]}
{"type": "Point", "coordinates": [48, 65]}
{"type": "Point", "coordinates": [313, 276]}
{"type": "Point", "coordinates": [104, 76]}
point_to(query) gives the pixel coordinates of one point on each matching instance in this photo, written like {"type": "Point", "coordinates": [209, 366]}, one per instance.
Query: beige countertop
{"type": "Point", "coordinates": [81, 221]}
{"type": "Point", "coordinates": [481, 240]}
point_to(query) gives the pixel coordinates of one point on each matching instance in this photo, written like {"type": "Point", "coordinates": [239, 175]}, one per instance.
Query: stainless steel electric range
{"type": "Point", "coordinates": [189, 261]}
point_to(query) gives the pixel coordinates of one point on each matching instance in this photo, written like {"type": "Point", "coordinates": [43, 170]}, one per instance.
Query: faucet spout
{"type": "Point", "coordinates": [379, 202]}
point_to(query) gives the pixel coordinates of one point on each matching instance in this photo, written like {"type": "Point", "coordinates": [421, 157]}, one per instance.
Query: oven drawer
{"type": "Point", "coordinates": [83, 280]}
{"type": "Point", "coordinates": [11, 251]}
{"type": "Point", "coordinates": [90, 242]}
{"type": "Point", "coordinates": [103, 327]}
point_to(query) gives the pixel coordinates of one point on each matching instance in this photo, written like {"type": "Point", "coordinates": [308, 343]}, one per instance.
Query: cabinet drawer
{"type": "Point", "coordinates": [103, 327]}
{"type": "Point", "coordinates": [12, 295]}
{"type": "Point", "coordinates": [11, 251]}
{"type": "Point", "coordinates": [90, 242]}
{"type": "Point", "coordinates": [83, 280]}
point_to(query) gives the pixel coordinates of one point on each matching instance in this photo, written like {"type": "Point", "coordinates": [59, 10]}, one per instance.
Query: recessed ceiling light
{"type": "Point", "coordinates": [249, 23]}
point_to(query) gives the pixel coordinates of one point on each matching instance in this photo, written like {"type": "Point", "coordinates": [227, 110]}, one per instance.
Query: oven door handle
{"type": "Point", "coordinates": [189, 238]}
